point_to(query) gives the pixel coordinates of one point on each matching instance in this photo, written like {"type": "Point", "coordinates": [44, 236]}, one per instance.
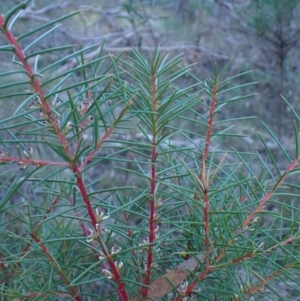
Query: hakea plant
{"type": "Point", "coordinates": [173, 218]}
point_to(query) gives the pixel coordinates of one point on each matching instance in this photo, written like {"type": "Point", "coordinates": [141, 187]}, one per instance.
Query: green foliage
{"type": "Point", "coordinates": [105, 195]}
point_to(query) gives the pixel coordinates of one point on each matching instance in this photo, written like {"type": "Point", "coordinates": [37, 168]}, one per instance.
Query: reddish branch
{"type": "Point", "coordinates": [31, 161]}
{"type": "Point", "coordinates": [82, 225]}
{"type": "Point", "coordinates": [35, 295]}
{"type": "Point", "coordinates": [261, 206]}
{"type": "Point", "coordinates": [121, 288]}
{"type": "Point", "coordinates": [104, 138]}
{"type": "Point", "coordinates": [206, 226]}
{"type": "Point", "coordinates": [259, 287]}
{"type": "Point", "coordinates": [114, 270]}
{"type": "Point", "coordinates": [204, 177]}
{"type": "Point", "coordinates": [152, 223]}
{"type": "Point", "coordinates": [73, 290]}
{"type": "Point", "coordinates": [192, 286]}
{"type": "Point", "coordinates": [262, 203]}
{"type": "Point", "coordinates": [37, 87]}
{"type": "Point", "coordinates": [210, 123]}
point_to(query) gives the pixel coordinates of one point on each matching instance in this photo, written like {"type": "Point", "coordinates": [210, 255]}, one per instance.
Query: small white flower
{"type": "Point", "coordinates": [29, 152]}
{"type": "Point", "coordinates": [100, 215]}
{"type": "Point", "coordinates": [34, 105]}
{"type": "Point", "coordinates": [107, 273]}
{"type": "Point", "coordinates": [255, 220]}
{"type": "Point", "coordinates": [156, 215]}
{"type": "Point", "coordinates": [83, 107]}
{"type": "Point", "coordinates": [56, 103]}
{"type": "Point", "coordinates": [42, 114]}
{"type": "Point", "coordinates": [138, 247]}
{"type": "Point", "coordinates": [80, 108]}
{"type": "Point", "coordinates": [115, 249]}
{"type": "Point", "coordinates": [22, 166]}
{"type": "Point", "coordinates": [68, 127]}
{"type": "Point", "coordinates": [145, 241]}
{"type": "Point", "coordinates": [154, 265]}
{"type": "Point", "coordinates": [183, 287]}
{"type": "Point", "coordinates": [92, 236]}
{"type": "Point", "coordinates": [87, 104]}
{"type": "Point", "coordinates": [159, 202]}
{"type": "Point", "coordinates": [100, 229]}
{"type": "Point", "coordinates": [4, 153]}
{"type": "Point", "coordinates": [118, 264]}
{"type": "Point", "coordinates": [262, 289]}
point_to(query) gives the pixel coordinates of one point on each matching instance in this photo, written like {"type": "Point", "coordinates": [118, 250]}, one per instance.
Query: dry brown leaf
{"type": "Point", "coordinates": [166, 283]}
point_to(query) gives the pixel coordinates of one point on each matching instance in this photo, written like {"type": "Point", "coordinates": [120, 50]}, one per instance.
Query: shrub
{"type": "Point", "coordinates": [107, 193]}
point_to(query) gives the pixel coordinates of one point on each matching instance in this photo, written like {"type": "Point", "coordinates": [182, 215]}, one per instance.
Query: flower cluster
{"type": "Point", "coordinates": [108, 274]}
{"type": "Point", "coordinates": [29, 154]}
{"type": "Point", "coordinates": [113, 251]}
{"type": "Point", "coordinates": [36, 103]}
{"type": "Point", "coordinates": [145, 242]}
{"type": "Point", "coordinates": [118, 263]}
{"type": "Point", "coordinates": [100, 216]}
{"type": "Point", "coordinates": [53, 118]}
{"type": "Point", "coordinates": [94, 234]}
{"type": "Point", "coordinates": [83, 108]}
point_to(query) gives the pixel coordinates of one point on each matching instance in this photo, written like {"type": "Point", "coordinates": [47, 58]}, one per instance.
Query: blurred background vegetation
{"type": "Point", "coordinates": [258, 35]}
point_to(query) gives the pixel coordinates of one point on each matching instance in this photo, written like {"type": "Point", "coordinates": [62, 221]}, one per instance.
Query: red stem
{"type": "Point", "coordinates": [206, 227]}
{"type": "Point", "coordinates": [205, 185]}
{"type": "Point", "coordinates": [251, 291]}
{"type": "Point", "coordinates": [152, 223]}
{"type": "Point", "coordinates": [62, 138]}
{"type": "Point", "coordinates": [104, 138]}
{"type": "Point", "coordinates": [30, 161]}
{"type": "Point", "coordinates": [210, 122]}
{"type": "Point", "coordinates": [35, 85]}
{"type": "Point", "coordinates": [121, 287]}
{"type": "Point", "coordinates": [270, 193]}
{"type": "Point", "coordinates": [99, 144]}
{"type": "Point", "coordinates": [129, 232]}
{"type": "Point", "coordinates": [263, 282]}
{"type": "Point", "coordinates": [259, 208]}
{"type": "Point", "coordinates": [201, 178]}
{"type": "Point", "coordinates": [84, 194]}
{"type": "Point", "coordinates": [192, 285]}
{"type": "Point", "coordinates": [73, 290]}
